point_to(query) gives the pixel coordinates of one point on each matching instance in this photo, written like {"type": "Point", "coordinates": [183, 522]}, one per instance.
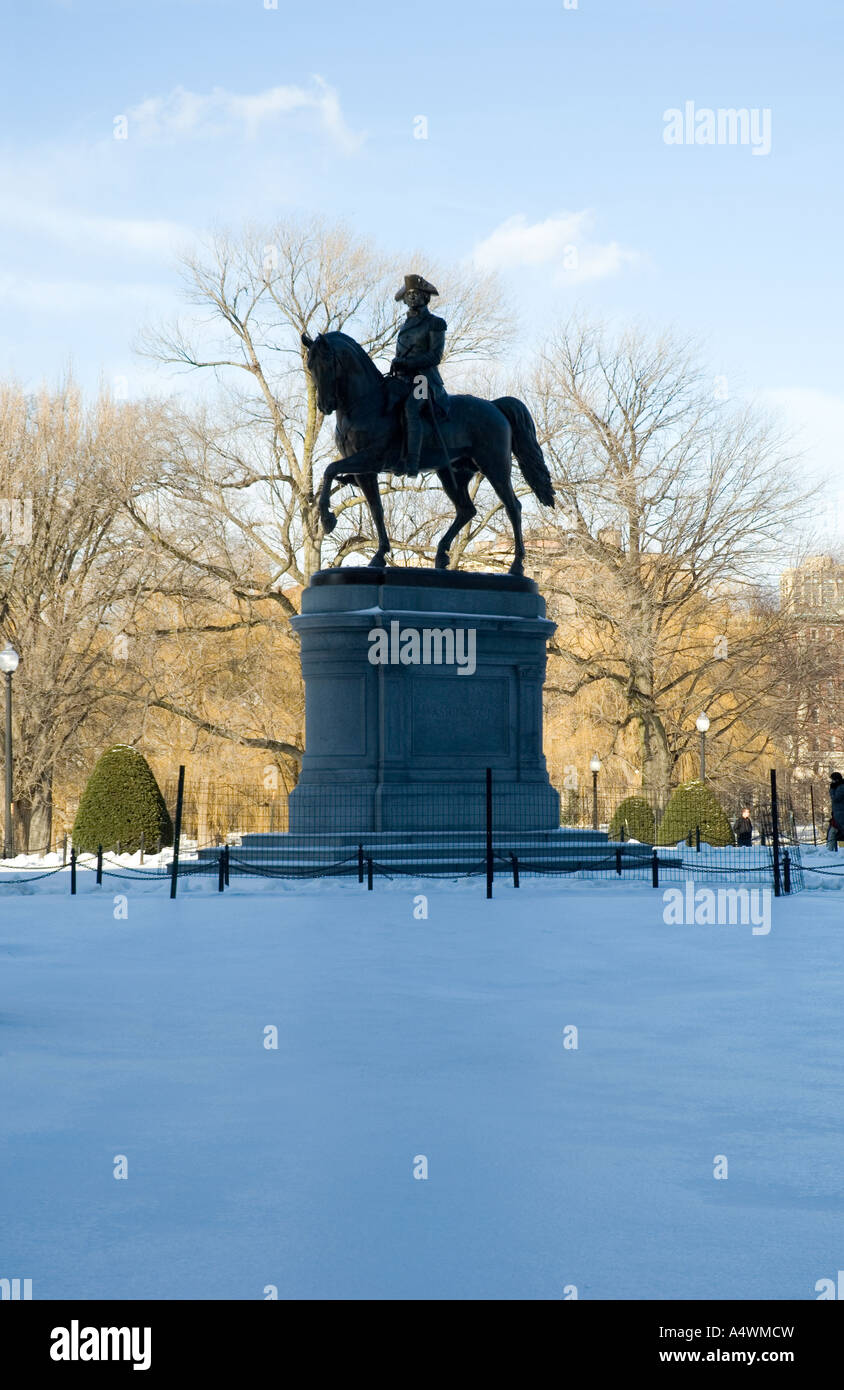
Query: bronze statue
{"type": "Point", "coordinates": [419, 351]}
{"type": "Point", "coordinates": [472, 436]}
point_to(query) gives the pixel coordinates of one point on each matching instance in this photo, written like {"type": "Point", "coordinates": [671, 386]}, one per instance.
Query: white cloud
{"type": "Point", "coordinates": [562, 242]}
{"type": "Point", "coordinates": [184, 113]}
{"type": "Point", "coordinates": [518, 243]}
{"type": "Point", "coordinates": [153, 236]}
{"type": "Point", "coordinates": [82, 297]}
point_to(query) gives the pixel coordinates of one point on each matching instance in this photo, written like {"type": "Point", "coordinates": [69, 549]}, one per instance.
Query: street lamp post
{"type": "Point", "coordinates": [595, 765]}
{"type": "Point", "coordinates": [702, 724]}
{"type": "Point", "coordinates": [8, 665]}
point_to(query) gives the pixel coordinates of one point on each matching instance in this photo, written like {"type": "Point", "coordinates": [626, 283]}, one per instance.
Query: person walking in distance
{"type": "Point", "coordinates": [835, 833]}
{"type": "Point", "coordinates": [743, 828]}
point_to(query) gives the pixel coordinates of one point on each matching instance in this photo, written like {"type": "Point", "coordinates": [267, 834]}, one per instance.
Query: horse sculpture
{"type": "Point", "coordinates": [478, 437]}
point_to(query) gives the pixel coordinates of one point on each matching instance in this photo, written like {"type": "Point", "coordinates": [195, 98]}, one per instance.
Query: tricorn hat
{"type": "Point", "coordinates": [415, 282]}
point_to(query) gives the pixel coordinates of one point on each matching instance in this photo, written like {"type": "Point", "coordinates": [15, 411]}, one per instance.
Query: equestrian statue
{"type": "Point", "coordinates": [405, 423]}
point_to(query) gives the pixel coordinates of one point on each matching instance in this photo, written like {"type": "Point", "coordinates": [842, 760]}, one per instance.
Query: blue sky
{"type": "Point", "coordinates": [545, 129]}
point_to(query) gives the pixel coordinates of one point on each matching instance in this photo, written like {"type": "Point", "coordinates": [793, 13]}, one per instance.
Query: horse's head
{"type": "Point", "coordinates": [342, 370]}
{"type": "Point", "coordinates": [322, 365]}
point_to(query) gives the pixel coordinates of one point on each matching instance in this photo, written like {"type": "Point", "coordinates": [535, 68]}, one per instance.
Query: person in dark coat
{"type": "Point", "coordinates": [743, 828]}
{"type": "Point", "coordinates": [836, 801]}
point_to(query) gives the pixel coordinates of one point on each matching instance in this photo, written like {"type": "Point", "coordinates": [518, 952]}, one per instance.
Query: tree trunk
{"type": "Point", "coordinates": [34, 819]}
{"type": "Point", "coordinates": [656, 756]}
{"type": "Point", "coordinates": [202, 836]}
{"type": "Point", "coordinates": [312, 559]}
{"type": "Point", "coordinates": [20, 824]}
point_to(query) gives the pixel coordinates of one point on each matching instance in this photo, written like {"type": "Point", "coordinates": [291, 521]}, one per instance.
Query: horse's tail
{"type": "Point", "coordinates": [526, 448]}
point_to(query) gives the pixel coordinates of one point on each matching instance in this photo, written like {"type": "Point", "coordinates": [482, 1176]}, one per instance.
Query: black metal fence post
{"type": "Point", "coordinates": [9, 835]}
{"type": "Point", "coordinates": [515, 862]}
{"type": "Point", "coordinates": [697, 838]}
{"type": "Point", "coordinates": [360, 863]}
{"type": "Point", "coordinates": [226, 857]}
{"type": "Point", "coordinates": [221, 872]}
{"type": "Point", "coordinates": [99, 864]}
{"type": "Point", "coordinates": [786, 872]}
{"type": "Point", "coordinates": [775, 832]}
{"type": "Point", "coordinates": [177, 834]}
{"type": "Point", "coordinates": [73, 870]}
{"type": "Point", "coordinates": [812, 804]}
{"type": "Point", "coordinates": [618, 862]}
{"type": "Point", "coordinates": [655, 869]}
{"type": "Point", "coordinates": [369, 875]}
{"type": "Point", "coordinates": [489, 859]}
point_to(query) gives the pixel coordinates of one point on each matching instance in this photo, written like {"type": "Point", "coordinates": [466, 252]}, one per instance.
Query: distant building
{"type": "Point", "coordinates": [813, 594]}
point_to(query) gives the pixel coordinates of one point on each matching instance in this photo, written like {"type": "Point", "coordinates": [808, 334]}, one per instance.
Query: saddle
{"type": "Point", "coordinates": [400, 387]}
{"type": "Point", "coordinates": [436, 442]}
{"type": "Point", "coordinates": [433, 414]}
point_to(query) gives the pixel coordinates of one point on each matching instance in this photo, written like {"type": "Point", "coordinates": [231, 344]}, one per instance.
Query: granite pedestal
{"type": "Point", "coordinates": [417, 681]}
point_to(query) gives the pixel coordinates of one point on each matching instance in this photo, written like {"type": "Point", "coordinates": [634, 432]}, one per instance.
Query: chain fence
{"type": "Point", "coordinates": [231, 830]}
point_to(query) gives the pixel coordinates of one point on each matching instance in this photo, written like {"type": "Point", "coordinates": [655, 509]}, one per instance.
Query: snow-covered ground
{"type": "Point", "coordinates": [823, 869]}
{"type": "Point", "coordinates": [401, 1036]}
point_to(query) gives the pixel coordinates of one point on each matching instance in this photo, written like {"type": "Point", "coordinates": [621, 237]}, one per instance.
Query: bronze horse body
{"type": "Point", "coordinates": [478, 437]}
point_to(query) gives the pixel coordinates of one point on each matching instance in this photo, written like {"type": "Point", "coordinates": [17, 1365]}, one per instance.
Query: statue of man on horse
{"type": "Point", "coordinates": [405, 423]}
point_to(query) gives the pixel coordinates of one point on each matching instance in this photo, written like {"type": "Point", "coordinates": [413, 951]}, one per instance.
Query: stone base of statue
{"type": "Point", "coordinates": [416, 682]}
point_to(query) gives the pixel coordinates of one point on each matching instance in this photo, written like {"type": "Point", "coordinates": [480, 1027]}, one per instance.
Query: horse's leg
{"type": "Point", "coordinates": [368, 484]}
{"type": "Point", "coordinates": [497, 471]}
{"type": "Point", "coordinates": [366, 460]}
{"type": "Point", "coordinates": [455, 485]}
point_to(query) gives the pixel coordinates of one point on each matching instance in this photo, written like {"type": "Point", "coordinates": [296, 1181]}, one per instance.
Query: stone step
{"type": "Point", "coordinates": [434, 852]}
{"type": "Point", "coordinates": [307, 839]}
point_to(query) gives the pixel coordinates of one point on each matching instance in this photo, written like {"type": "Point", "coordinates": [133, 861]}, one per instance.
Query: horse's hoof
{"type": "Point", "coordinates": [440, 562]}
{"type": "Point", "coordinates": [517, 568]}
{"type": "Point", "coordinates": [328, 523]}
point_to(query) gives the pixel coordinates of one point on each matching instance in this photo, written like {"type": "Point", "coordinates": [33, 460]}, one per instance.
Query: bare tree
{"type": "Point", "coordinates": [71, 575]}
{"type": "Point", "coordinates": [674, 507]}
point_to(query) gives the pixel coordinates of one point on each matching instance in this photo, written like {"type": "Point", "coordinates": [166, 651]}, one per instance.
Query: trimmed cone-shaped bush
{"type": "Point", "coordinates": [692, 805]}
{"type": "Point", "coordinates": [121, 802]}
{"type": "Point", "coordinates": [634, 813]}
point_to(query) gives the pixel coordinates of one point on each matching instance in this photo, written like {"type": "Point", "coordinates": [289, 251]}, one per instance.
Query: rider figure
{"type": "Point", "coordinates": [419, 351]}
